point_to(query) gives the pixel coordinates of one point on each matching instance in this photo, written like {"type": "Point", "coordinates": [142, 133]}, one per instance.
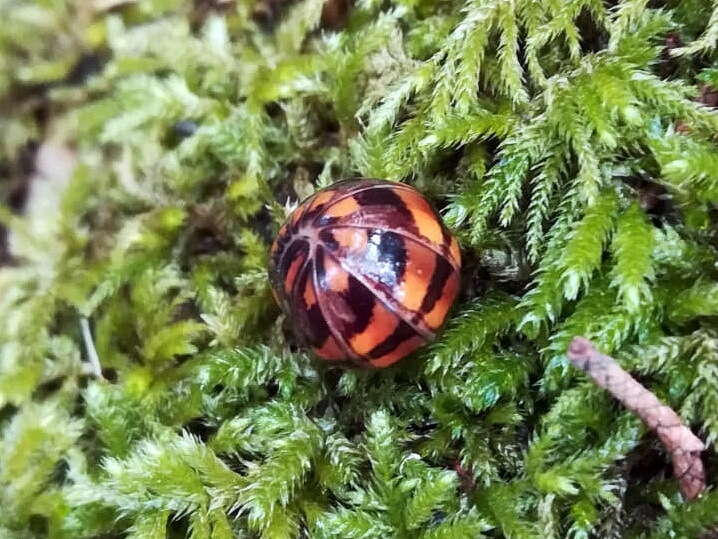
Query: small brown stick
{"type": "Point", "coordinates": [684, 447]}
{"type": "Point", "coordinates": [466, 479]}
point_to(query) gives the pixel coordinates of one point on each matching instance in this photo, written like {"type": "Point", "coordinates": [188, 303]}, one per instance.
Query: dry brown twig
{"type": "Point", "coordinates": [684, 446]}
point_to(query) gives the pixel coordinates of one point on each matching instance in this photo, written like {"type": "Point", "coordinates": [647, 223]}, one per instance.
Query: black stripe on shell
{"type": "Point", "coordinates": [327, 237]}
{"type": "Point", "coordinates": [362, 301]}
{"type": "Point", "coordinates": [353, 306]}
{"type": "Point", "coordinates": [285, 261]}
{"type": "Point", "coordinates": [381, 196]}
{"type": "Point", "coordinates": [402, 333]}
{"type": "Point", "coordinates": [310, 320]}
{"type": "Point", "coordinates": [442, 272]}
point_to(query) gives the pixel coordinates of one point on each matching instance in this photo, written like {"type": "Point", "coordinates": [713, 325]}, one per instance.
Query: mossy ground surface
{"type": "Point", "coordinates": [149, 151]}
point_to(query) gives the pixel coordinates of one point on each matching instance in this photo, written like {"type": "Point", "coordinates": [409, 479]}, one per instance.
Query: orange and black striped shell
{"type": "Point", "coordinates": [366, 271]}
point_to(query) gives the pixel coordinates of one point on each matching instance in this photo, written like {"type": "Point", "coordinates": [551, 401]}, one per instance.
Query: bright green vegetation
{"type": "Point", "coordinates": [569, 147]}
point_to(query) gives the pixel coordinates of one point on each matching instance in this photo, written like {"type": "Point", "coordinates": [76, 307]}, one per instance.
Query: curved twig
{"type": "Point", "coordinates": [684, 446]}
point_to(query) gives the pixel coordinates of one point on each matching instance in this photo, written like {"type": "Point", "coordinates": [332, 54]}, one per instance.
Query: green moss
{"type": "Point", "coordinates": [565, 142]}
